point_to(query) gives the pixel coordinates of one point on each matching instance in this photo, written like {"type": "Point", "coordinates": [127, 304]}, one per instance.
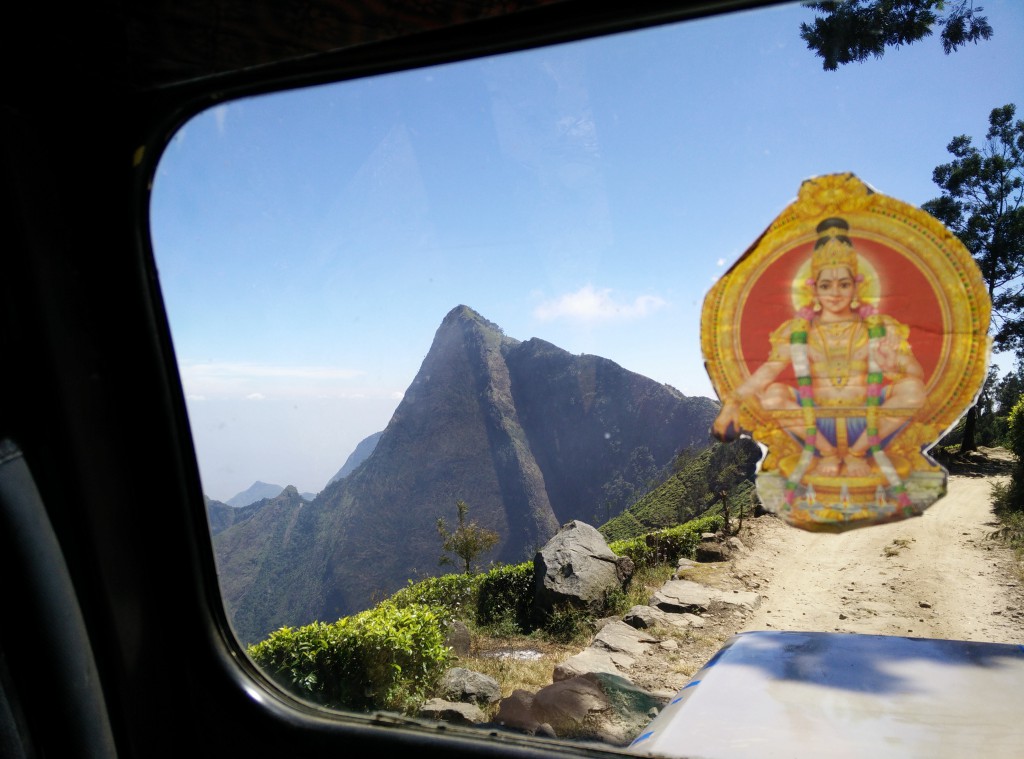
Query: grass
{"type": "Point", "coordinates": [486, 657]}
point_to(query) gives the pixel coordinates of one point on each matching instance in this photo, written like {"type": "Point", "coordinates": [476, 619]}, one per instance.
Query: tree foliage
{"type": "Point", "coordinates": [845, 31]}
{"type": "Point", "coordinates": [981, 203]}
{"type": "Point", "coordinates": [697, 482]}
{"type": "Point", "coordinates": [467, 541]}
{"type": "Point", "coordinates": [982, 192]}
{"type": "Point", "coordinates": [626, 486]}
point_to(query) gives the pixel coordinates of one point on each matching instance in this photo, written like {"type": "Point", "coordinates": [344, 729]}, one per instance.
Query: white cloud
{"type": "Point", "coordinates": [591, 305]}
{"type": "Point", "coordinates": [721, 262]}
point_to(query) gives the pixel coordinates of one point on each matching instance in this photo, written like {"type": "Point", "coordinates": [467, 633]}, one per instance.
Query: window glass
{"type": "Point", "coordinates": [315, 248]}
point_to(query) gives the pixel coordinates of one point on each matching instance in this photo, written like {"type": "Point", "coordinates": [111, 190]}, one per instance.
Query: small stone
{"type": "Point", "coordinates": [924, 605]}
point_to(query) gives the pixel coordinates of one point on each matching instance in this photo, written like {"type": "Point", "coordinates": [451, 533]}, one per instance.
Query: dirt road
{"type": "Point", "coordinates": [936, 576]}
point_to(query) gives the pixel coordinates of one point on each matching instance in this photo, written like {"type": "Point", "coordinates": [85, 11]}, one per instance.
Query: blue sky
{"type": "Point", "coordinates": [309, 243]}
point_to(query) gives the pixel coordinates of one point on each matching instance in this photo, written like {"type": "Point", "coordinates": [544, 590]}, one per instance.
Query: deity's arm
{"type": "Point", "coordinates": [758, 382]}
{"type": "Point", "coordinates": [753, 388]}
{"type": "Point", "coordinates": [894, 353]}
{"type": "Point", "coordinates": [727, 423]}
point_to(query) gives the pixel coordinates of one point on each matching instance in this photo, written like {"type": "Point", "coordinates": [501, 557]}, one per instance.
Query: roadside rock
{"type": "Point", "coordinates": [613, 651]}
{"type": "Point", "coordinates": [458, 638]}
{"type": "Point", "coordinates": [577, 567]}
{"type": "Point", "coordinates": [466, 686]}
{"type": "Point", "coordinates": [644, 617]}
{"type": "Point", "coordinates": [679, 596]}
{"type": "Point", "coordinates": [456, 713]}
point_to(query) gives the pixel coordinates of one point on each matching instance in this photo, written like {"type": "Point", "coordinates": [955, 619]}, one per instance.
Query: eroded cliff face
{"type": "Point", "coordinates": [525, 433]}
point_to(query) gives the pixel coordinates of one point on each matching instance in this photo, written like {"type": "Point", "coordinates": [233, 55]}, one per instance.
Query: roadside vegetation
{"type": "Point", "coordinates": [392, 656]}
{"type": "Point", "coordinates": [1008, 498]}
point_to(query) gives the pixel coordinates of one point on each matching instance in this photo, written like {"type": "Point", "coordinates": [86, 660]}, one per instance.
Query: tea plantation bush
{"type": "Point", "coordinates": [505, 598]}
{"type": "Point", "coordinates": [455, 596]}
{"type": "Point", "coordinates": [385, 658]}
{"type": "Point", "coordinates": [669, 545]}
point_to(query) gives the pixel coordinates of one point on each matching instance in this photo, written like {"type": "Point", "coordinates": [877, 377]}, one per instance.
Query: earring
{"type": "Point", "coordinates": [854, 303]}
{"type": "Point", "coordinates": [817, 305]}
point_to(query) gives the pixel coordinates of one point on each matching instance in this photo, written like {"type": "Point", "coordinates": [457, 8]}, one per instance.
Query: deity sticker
{"type": "Point", "coordinates": [847, 340]}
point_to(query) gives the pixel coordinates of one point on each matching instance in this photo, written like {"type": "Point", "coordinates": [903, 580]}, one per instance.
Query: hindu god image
{"type": "Point", "coordinates": [846, 341]}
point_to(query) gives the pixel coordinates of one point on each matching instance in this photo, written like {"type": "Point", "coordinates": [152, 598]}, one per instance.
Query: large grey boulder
{"type": "Point", "coordinates": [576, 567]}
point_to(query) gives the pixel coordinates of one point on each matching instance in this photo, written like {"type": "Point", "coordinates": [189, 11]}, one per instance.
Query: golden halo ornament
{"type": "Point", "coordinates": [846, 340]}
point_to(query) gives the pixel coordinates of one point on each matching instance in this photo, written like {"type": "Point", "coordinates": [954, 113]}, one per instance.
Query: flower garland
{"type": "Point", "coordinates": [805, 394]}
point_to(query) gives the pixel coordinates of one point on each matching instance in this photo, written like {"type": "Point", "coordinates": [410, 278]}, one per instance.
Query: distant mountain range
{"type": "Point", "coordinates": [527, 434]}
{"type": "Point", "coordinates": [261, 490]}
{"type": "Point", "coordinates": [257, 492]}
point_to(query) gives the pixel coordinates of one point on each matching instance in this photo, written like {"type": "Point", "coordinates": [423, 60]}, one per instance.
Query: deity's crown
{"type": "Point", "coordinates": [833, 248]}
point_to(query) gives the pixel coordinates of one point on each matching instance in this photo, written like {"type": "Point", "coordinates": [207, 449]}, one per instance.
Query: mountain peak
{"type": "Point", "coordinates": [462, 315]}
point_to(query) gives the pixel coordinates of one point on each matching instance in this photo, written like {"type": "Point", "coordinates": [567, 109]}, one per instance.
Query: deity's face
{"type": "Point", "coordinates": [835, 288]}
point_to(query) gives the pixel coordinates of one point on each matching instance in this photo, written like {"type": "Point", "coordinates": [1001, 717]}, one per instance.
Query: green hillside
{"type": "Point", "coordinates": [693, 488]}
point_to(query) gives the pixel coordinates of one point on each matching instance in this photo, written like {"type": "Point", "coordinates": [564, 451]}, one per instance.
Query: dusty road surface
{"type": "Point", "coordinates": [940, 575]}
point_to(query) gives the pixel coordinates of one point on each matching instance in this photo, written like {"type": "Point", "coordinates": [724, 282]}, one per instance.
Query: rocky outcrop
{"type": "Point", "coordinates": [593, 694]}
{"type": "Point", "coordinates": [577, 567]}
{"type": "Point", "coordinates": [679, 596]}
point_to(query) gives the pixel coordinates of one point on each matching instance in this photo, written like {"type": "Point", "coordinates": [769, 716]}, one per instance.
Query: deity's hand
{"type": "Point", "coordinates": [726, 426]}
{"type": "Point", "coordinates": [886, 353]}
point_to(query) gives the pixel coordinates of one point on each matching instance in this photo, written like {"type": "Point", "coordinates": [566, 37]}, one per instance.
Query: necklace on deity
{"type": "Point", "coordinates": [838, 351]}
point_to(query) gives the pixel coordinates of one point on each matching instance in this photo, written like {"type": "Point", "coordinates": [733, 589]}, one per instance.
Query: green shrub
{"type": "Point", "coordinates": [1015, 428]}
{"type": "Point", "coordinates": [666, 546]}
{"type": "Point", "coordinates": [384, 658]}
{"type": "Point", "coordinates": [505, 597]}
{"type": "Point", "coordinates": [1009, 500]}
{"type": "Point", "coordinates": [455, 594]}
{"type": "Point", "coordinates": [568, 624]}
